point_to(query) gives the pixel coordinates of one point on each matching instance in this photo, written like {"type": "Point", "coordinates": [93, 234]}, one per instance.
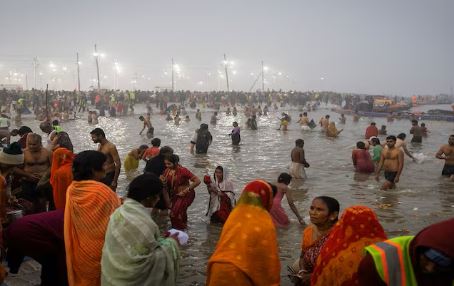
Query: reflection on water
{"type": "Point", "coordinates": [422, 196]}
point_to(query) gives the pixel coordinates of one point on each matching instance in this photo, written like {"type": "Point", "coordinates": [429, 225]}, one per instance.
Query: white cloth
{"type": "Point", "coordinates": [225, 186]}
{"type": "Point", "coordinates": [297, 171]}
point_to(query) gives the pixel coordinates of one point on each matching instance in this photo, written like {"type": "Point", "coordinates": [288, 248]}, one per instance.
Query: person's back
{"type": "Point", "coordinates": [371, 131]}
{"type": "Point", "coordinates": [204, 139]}
{"type": "Point", "coordinates": [363, 161]}
{"type": "Point", "coordinates": [89, 205]}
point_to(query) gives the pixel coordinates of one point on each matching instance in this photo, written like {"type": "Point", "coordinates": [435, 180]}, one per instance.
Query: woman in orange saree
{"type": "Point", "coordinates": [88, 208]}
{"type": "Point", "coordinates": [247, 251]}
{"type": "Point", "coordinates": [61, 175]}
{"type": "Point", "coordinates": [341, 254]}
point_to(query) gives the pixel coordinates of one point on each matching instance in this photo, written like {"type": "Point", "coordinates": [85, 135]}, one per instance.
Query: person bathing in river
{"type": "Point", "coordinates": [180, 183]}
{"type": "Point", "coordinates": [131, 162]}
{"type": "Point", "coordinates": [235, 134]}
{"type": "Point", "coordinates": [201, 140]}
{"type": "Point", "coordinates": [323, 212]}
{"type": "Point", "coordinates": [147, 125]}
{"type": "Point", "coordinates": [280, 218]}
{"type": "Point", "coordinates": [400, 143]}
{"type": "Point", "coordinates": [298, 161]}
{"type": "Point", "coordinates": [332, 130]}
{"type": "Point", "coordinates": [382, 130]}
{"type": "Point", "coordinates": [417, 132]}
{"type": "Point", "coordinates": [113, 162]}
{"type": "Point", "coordinates": [361, 159]}
{"type": "Point", "coordinates": [222, 196]}
{"type": "Point", "coordinates": [37, 161]}
{"type": "Point", "coordinates": [392, 160]}
{"type": "Point", "coordinates": [446, 153]}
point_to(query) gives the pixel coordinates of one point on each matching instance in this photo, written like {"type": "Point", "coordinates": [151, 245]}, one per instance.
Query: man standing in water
{"type": "Point", "coordinates": [298, 161]}
{"type": "Point", "coordinates": [417, 132]}
{"type": "Point", "coordinates": [392, 160]}
{"type": "Point", "coordinates": [446, 153]}
{"type": "Point", "coordinates": [400, 143]}
{"type": "Point", "coordinates": [147, 125]}
{"type": "Point", "coordinates": [36, 164]}
{"type": "Point", "coordinates": [113, 163]}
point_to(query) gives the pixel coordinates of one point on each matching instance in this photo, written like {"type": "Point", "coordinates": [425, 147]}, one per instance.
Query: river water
{"type": "Point", "coordinates": [422, 196]}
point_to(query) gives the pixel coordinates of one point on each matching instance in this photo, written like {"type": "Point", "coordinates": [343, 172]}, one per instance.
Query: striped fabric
{"type": "Point", "coordinates": [89, 205]}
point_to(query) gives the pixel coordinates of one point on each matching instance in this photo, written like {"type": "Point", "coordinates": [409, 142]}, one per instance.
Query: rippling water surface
{"type": "Point", "coordinates": [421, 198]}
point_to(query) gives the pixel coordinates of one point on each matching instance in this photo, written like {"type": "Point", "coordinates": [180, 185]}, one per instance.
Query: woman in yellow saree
{"type": "Point", "coordinates": [247, 251]}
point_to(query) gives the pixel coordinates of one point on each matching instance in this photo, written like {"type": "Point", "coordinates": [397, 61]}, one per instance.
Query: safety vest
{"type": "Point", "coordinates": [58, 128]}
{"type": "Point", "coordinates": [392, 261]}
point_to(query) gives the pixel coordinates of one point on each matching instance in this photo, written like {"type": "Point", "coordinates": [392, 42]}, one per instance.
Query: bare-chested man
{"type": "Point", "coordinates": [36, 163]}
{"type": "Point", "coordinates": [298, 161]}
{"type": "Point", "coordinates": [113, 163]}
{"type": "Point", "coordinates": [147, 125]}
{"type": "Point", "coordinates": [392, 161]}
{"type": "Point", "coordinates": [446, 153]}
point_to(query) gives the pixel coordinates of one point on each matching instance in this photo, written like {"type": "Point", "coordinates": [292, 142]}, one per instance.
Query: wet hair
{"type": "Point", "coordinates": [360, 145]}
{"type": "Point", "coordinates": [273, 188]}
{"type": "Point", "coordinates": [331, 203]}
{"type": "Point", "coordinates": [98, 132]}
{"type": "Point", "coordinates": [375, 140]}
{"type": "Point", "coordinates": [299, 142]}
{"type": "Point", "coordinates": [24, 130]}
{"type": "Point", "coordinates": [34, 138]}
{"type": "Point", "coordinates": [45, 127]}
{"type": "Point", "coordinates": [284, 178]}
{"type": "Point", "coordinates": [156, 142]}
{"type": "Point", "coordinates": [86, 162]}
{"type": "Point", "coordinates": [166, 150]}
{"type": "Point", "coordinates": [172, 158]}
{"type": "Point", "coordinates": [64, 141]}
{"type": "Point", "coordinates": [401, 136]}
{"type": "Point", "coordinates": [392, 137]}
{"type": "Point", "coordinates": [144, 186]}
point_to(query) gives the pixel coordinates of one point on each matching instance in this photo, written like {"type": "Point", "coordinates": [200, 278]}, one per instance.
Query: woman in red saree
{"type": "Point", "coordinates": [180, 183]}
{"type": "Point", "coordinates": [247, 251]}
{"type": "Point", "coordinates": [337, 264]}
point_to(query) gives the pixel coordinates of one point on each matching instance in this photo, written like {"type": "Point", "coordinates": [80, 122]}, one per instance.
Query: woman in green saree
{"type": "Point", "coordinates": [134, 252]}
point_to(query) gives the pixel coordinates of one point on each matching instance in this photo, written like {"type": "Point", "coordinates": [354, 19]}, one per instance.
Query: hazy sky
{"type": "Point", "coordinates": [378, 47]}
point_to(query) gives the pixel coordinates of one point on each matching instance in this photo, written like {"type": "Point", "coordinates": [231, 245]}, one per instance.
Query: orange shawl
{"type": "Point", "coordinates": [61, 175]}
{"type": "Point", "coordinates": [247, 251]}
{"type": "Point", "coordinates": [339, 259]}
{"type": "Point", "coordinates": [89, 205]}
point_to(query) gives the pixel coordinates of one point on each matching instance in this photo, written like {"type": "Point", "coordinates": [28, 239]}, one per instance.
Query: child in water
{"type": "Point", "coordinates": [235, 134]}
{"type": "Point", "coordinates": [132, 159]}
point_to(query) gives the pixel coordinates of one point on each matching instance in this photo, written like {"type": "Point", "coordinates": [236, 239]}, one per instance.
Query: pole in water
{"type": "Point", "coordinates": [47, 111]}
{"type": "Point", "coordinates": [78, 72]}
{"type": "Point", "coordinates": [97, 67]}
{"type": "Point", "coordinates": [263, 77]}
{"type": "Point", "coordinates": [173, 78]}
{"type": "Point", "coordinates": [226, 72]}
